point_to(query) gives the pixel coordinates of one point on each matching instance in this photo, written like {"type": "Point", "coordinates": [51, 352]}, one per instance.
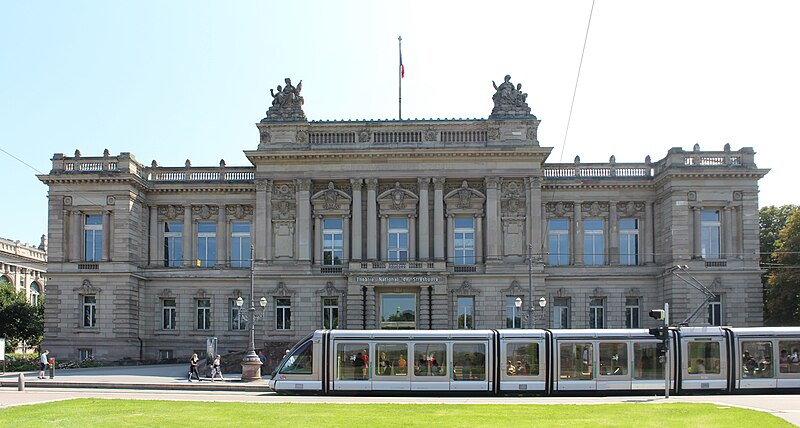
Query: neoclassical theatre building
{"type": "Point", "coordinates": [392, 224]}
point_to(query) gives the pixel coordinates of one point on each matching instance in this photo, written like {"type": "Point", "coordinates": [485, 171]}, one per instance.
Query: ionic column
{"type": "Point", "coordinates": [372, 217]}
{"type": "Point", "coordinates": [696, 233]}
{"type": "Point", "coordinates": [613, 232]}
{"type": "Point", "coordinates": [154, 231]}
{"type": "Point", "coordinates": [492, 219]}
{"type": "Point", "coordinates": [646, 251]}
{"type": "Point", "coordinates": [384, 238]}
{"type": "Point", "coordinates": [451, 250]}
{"type": "Point", "coordinates": [318, 238]}
{"type": "Point", "coordinates": [75, 235]}
{"type": "Point", "coordinates": [424, 216]}
{"type": "Point", "coordinates": [578, 225]}
{"type": "Point", "coordinates": [438, 218]}
{"type": "Point", "coordinates": [222, 235]}
{"type": "Point", "coordinates": [356, 242]}
{"type": "Point", "coordinates": [478, 239]}
{"type": "Point", "coordinates": [345, 241]}
{"type": "Point", "coordinates": [107, 231]}
{"type": "Point", "coordinates": [727, 233]}
{"type": "Point", "coordinates": [303, 229]}
{"type": "Point", "coordinates": [412, 238]}
{"type": "Point", "coordinates": [186, 237]}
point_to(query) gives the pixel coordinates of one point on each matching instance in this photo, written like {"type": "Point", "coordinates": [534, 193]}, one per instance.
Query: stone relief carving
{"type": "Point", "coordinates": [430, 134]}
{"type": "Point", "coordinates": [692, 196]}
{"type": "Point", "coordinates": [331, 199]}
{"type": "Point", "coordinates": [170, 211]}
{"type": "Point", "coordinates": [283, 210]}
{"type": "Point", "coordinates": [630, 208]}
{"type": "Point", "coordinates": [363, 135]}
{"type": "Point", "coordinates": [513, 289]}
{"type": "Point", "coordinates": [86, 288]}
{"type": "Point", "coordinates": [281, 290]}
{"type": "Point", "coordinates": [265, 137]}
{"type": "Point", "coordinates": [594, 209]}
{"type": "Point", "coordinates": [287, 104]}
{"type": "Point", "coordinates": [283, 241]}
{"type": "Point", "coordinates": [329, 290]}
{"type": "Point", "coordinates": [465, 288]}
{"type": "Point", "coordinates": [205, 211]}
{"type": "Point", "coordinates": [283, 191]}
{"type": "Point", "coordinates": [391, 186]}
{"type": "Point", "coordinates": [455, 185]}
{"type": "Point", "coordinates": [531, 133]}
{"type": "Point", "coordinates": [509, 100]}
{"type": "Point", "coordinates": [464, 200]}
{"type": "Point", "coordinates": [398, 200]}
{"type": "Point", "coordinates": [166, 293]}
{"type": "Point", "coordinates": [559, 209]}
{"type": "Point", "coordinates": [239, 211]}
{"type": "Point", "coordinates": [737, 195]}
{"type": "Point", "coordinates": [301, 136]}
{"type": "Point", "coordinates": [67, 200]}
{"type": "Point", "coordinates": [493, 134]}
{"type": "Point", "coordinates": [110, 200]}
{"type": "Point", "coordinates": [201, 294]}
{"type": "Point", "coordinates": [303, 184]}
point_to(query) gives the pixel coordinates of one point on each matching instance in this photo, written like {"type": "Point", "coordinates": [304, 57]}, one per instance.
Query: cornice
{"type": "Point", "coordinates": [395, 153]}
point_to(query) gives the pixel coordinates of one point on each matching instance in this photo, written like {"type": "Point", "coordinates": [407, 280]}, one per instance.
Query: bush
{"type": "Point", "coordinates": [22, 362]}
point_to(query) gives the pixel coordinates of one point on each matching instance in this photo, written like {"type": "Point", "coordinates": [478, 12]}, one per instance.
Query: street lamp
{"type": "Point", "coordinates": [251, 364]}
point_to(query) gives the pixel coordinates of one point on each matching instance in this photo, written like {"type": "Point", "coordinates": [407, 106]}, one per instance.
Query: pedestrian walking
{"type": "Point", "coordinates": [43, 363]}
{"type": "Point", "coordinates": [216, 369]}
{"type": "Point", "coordinates": [263, 360]}
{"type": "Point", "coordinates": [193, 368]}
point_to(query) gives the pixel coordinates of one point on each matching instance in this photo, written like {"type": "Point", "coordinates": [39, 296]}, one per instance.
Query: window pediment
{"type": "Point", "coordinates": [464, 200]}
{"type": "Point", "coordinates": [398, 201]}
{"type": "Point", "coordinates": [86, 288]}
{"type": "Point", "coordinates": [331, 201]}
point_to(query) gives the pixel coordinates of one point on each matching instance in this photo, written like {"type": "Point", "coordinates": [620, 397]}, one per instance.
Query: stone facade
{"type": "Point", "coordinates": [24, 266]}
{"type": "Point", "coordinates": [427, 224]}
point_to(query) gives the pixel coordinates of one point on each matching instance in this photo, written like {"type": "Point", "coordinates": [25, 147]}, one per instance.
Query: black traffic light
{"type": "Point", "coordinates": [659, 332]}
{"type": "Point", "coordinates": [657, 314]}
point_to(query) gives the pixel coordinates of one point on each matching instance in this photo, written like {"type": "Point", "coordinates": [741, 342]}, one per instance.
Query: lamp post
{"type": "Point", "coordinates": [251, 364]}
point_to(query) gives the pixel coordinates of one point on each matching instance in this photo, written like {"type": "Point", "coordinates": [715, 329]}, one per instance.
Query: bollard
{"type": "Point", "coordinates": [52, 367]}
{"type": "Point", "coordinates": [21, 382]}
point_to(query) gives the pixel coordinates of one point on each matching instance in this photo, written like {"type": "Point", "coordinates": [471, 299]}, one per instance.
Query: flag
{"type": "Point", "coordinates": [402, 69]}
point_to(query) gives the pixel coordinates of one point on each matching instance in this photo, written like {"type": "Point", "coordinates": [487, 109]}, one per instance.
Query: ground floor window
{"type": "Point", "coordinates": [85, 354]}
{"type": "Point", "coordinates": [330, 312]}
{"type": "Point", "coordinates": [466, 312]}
{"type": "Point", "coordinates": [398, 311]}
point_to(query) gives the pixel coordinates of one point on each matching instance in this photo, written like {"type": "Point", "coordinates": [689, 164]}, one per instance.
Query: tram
{"type": "Point", "coordinates": [544, 362]}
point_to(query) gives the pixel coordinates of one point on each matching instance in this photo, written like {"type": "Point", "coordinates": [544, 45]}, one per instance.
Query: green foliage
{"type": "Point", "coordinates": [147, 413]}
{"type": "Point", "coordinates": [772, 220]}
{"type": "Point", "coordinates": [19, 320]}
{"type": "Point", "coordinates": [782, 292]}
{"type": "Point", "coordinates": [22, 362]}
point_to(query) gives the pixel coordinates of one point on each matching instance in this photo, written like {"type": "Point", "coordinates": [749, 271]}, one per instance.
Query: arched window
{"type": "Point", "coordinates": [35, 293]}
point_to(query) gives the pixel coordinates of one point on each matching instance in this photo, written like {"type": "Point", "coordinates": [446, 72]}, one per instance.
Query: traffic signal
{"type": "Point", "coordinates": [657, 314]}
{"type": "Point", "coordinates": [660, 333]}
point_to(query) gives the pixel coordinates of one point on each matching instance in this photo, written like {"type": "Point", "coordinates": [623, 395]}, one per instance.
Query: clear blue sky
{"type": "Point", "coordinates": [172, 80]}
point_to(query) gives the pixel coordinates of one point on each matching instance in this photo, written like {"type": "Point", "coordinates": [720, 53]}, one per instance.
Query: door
{"type": "Point", "coordinates": [390, 371]}
{"type": "Point", "coordinates": [576, 367]}
{"type": "Point", "coordinates": [469, 363]}
{"type": "Point", "coordinates": [352, 367]}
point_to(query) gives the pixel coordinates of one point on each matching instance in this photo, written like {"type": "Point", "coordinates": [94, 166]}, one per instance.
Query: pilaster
{"type": "Point", "coordinates": [424, 218]}
{"type": "Point", "coordinates": [372, 217]}
{"type": "Point", "coordinates": [438, 218]}
{"type": "Point", "coordinates": [356, 242]}
{"type": "Point", "coordinates": [303, 219]}
{"type": "Point", "coordinates": [492, 219]}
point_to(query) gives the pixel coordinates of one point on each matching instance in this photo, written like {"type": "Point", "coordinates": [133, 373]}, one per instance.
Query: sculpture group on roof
{"type": "Point", "coordinates": [287, 103]}
{"type": "Point", "coordinates": [509, 100]}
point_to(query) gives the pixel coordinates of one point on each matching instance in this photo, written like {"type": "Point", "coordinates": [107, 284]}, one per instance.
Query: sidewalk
{"type": "Point", "coordinates": [160, 377]}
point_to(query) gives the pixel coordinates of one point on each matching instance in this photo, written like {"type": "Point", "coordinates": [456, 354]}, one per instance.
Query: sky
{"type": "Point", "coordinates": [177, 80]}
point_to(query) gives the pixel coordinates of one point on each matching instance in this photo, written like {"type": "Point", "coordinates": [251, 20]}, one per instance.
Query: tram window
{"type": "Point", "coordinates": [430, 359]}
{"type": "Point", "coordinates": [576, 361]}
{"type": "Point", "coordinates": [646, 362]}
{"type": "Point", "coordinates": [789, 359]}
{"type": "Point", "coordinates": [392, 359]}
{"type": "Point", "coordinates": [523, 359]}
{"type": "Point", "coordinates": [352, 361]}
{"type": "Point", "coordinates": [704, 357]}
{"type": "Point", "coordinates": [300, 362]}
{"type": "Point", "coordinates": [757, 359]}
{"type": "Point", "coordinates": [613, 359]}
{"type": "Point", "coordinates": [469, 361]}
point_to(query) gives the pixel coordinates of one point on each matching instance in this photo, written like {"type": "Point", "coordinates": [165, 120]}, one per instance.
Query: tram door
{"type": "Point", "coordinates": [576, 369]}
{"type": "Point", "coordinates": [469, 366]}
{"type": "Point", "coordinates": [430, 366]}
{"type": "Point", "coordinates": [390, 372]}
{"type": "Point", "coordinates": [351, 371]}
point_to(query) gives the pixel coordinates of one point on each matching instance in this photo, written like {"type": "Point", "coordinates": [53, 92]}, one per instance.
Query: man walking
{"type": "Point", "coordinates": [43, 363]}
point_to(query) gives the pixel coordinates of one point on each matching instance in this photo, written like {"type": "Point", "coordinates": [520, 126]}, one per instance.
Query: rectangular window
{"type": "Point", "coordinates": [206, 243]}
{"type": "Point", "coordinates": [173, 243]}
{"type": "Point", "coordinates": [332, 249]}
{"type": "Point", "coordinates": [168, 314]}
{"type": "Point", "coordinates": [165, 354]}
{"type": "Point", "coordinates": [93, 237]}
{"type": "Point", "coordinates": [593, 243]}
{"type": "Point", "coordinates": [715, 311]}
{"type": "Point", "coordinates": [631, 312]}
{"type": "Point", "coordinates": [352, 361]}
{"type": "Point", "coordinates": [283, 313]}
{"type": "Point", "coordinates": [469, 361]}
{"type": "Point", "coordinates": [203, 314]}
{"type": "Point", "coordinates": [613, 359]}
{"type": "Point", "coordinates": [789, 358]}
{"type": "Point", "coordinates": [464, 240]}
{"type": "Point", "coordinates": [466, 312]}
{"type": "Point", "coordinates": [629, 241]}
{"type": "Point", "coordinates": [561, 315]}
{"type": "Point", "coordinates": [576, 361]}
{"type": "Point", "coordinates": [709, 234]}
{"type": "Point", "coordinates": [522, 359]}
{"type": "Point", "coordinates": [430, 359]}
{"type": "Point", "coordinates": [558, 236]}
{"type": "Point", "coordinates": [647, 365]}
{"type": "Point", "coordinates": [704, 357]}
{"type": "Point", "coordinates": [392, 359]}
{"type": "Point", "coordinates": [513, 315]}
{"type": "Point", "coordinates": [398, 311]}
{"type": "Point", "coordinates": [240, 244]}
{"type": "Point", "coordinates": [597, 313]}
{"type": "Point", "coordinates": [85, 354]}
{"type": "Point", "coordinates": [89, 311]}
{"type": "Point", "coordinates": [237, 319]}
{"type": "Point", "coordinates": [757, 360]}
{"type": "Point", "coordinates": [330, 312]}
{"type": "Point", "coordinates": [398, 239]}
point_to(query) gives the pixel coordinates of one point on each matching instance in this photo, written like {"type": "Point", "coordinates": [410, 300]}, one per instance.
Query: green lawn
{"type": "Point", "coordinates": [92, 412]}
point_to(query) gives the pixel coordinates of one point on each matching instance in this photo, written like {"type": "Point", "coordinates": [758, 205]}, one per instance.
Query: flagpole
{"type": "Point", "coordinates": [400, 79]}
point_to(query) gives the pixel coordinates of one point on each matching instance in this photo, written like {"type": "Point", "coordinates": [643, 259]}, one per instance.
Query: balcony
{"type": "Point", "coordinates": [397, 267]}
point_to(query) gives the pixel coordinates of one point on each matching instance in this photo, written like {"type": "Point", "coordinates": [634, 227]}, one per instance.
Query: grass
{"type": "Point", "coordinates": [90, 412]}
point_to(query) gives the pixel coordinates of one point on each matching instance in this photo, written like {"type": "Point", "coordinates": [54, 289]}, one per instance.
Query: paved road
{"type": "Point", "coordinates": [167, 382]}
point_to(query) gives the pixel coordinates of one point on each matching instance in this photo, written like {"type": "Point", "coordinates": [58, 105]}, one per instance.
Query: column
{"type": "Point", "coordinates": [613, 232]}
{"type": "Point", "coordinates": [646, 232]}
{"type": "Point", "coordinates": [535, 215]}
{"type": "Point", "coordinates": [260, 219]}
{"type": "Point", "coordinates": [424, 218]}
{"type": "Point", "coordinates": [578, 226]}
{"type": "Point", "coordinates": [696, 233]}
{"type": "Point", "coordinates": [266, 238]}
{"type": "Point", "coordinates": [303, 228]}
{"type": "Point", "coordinates": [75, 233]}
{"type": "Point", "coordinates": [106, 221]}
{"type": "Point", "coordinates": [451, 250]}
{"type": "Point", "coordinates": [318, 239]}
{"type": "Point", "coordinates": [345, 242]}
{"type": "Point", "coordinates": [492, 219]}
{"type": "Point", "coordinates": [222, 236]}
{"type": "Point", "coordinates": [412, 239]}
{"type": "Point", "coordinates": [727, 234]}
{"type": "Point", "coordinates": [438, 218]}
{"type": "Point", "coordinates": [154, 231]}
{"type": "Point", "coordinates": [187, 237]}
{"type": "Point", "coordinates": [478, 239]}
{"type": "Point", "coordinates": [384, 241]}
{"type": "Point", "coordinates": [372, 217]}
{"type": "Point", "coordinates": [356, 242]}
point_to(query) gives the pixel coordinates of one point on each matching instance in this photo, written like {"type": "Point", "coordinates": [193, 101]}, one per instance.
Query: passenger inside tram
{"type": "Point", "coordinates": [699, 367]}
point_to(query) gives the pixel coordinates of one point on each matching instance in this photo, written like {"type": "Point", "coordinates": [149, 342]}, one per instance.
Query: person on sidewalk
{"type": "Point", "coordinates": [193, 368]}
{"type": "Point", "coordinates": [216, 369]}
{"type": "Point", "coordinates": [263, 360]}
{"type": "Point", "coordinates": [43, 363]}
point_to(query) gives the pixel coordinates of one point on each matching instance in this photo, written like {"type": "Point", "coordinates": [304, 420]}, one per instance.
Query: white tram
{"type": "Point", "coordinates": [541, 361]}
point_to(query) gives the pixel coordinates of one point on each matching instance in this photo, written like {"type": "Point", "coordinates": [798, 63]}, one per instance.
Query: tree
{"type": "Point", "coordinates": [783, 284]}
{"type": "Point", "coordinates": [772, 220]}
{"type": "Point", "coordinates": [19, 320]}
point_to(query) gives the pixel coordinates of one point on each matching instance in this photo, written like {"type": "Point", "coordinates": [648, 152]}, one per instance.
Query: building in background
{"type": "Point", "coordinates": [24, 266]}
{"type": "Point", "coordinates": [376, 224]}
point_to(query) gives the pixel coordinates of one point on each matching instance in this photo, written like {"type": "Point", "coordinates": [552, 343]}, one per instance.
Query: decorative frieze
{"type": "Point", "coordinates": [239, 211]}
{"type": "Point", "coordinates": [283, 191]}
{"type": "Point", "coordinates": [594, 209]}
{"type": "Point", "coordinates": [170, 212]}
{"type": "Point", "coordinates": [630, 208]}
{"type": "Point", "coordinates": [559, 209]}
{"type": "Point", "coordinates": [205, 211]}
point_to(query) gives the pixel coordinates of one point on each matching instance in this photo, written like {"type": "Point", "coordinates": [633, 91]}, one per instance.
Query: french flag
{"type": "Point", "coordinates": [402, 69]}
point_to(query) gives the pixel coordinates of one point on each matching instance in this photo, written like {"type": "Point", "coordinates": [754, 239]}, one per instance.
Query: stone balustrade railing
{"type": "Point", "coordinates": [200, 174]}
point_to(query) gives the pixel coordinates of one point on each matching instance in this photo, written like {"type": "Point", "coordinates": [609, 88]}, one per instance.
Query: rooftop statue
{"type": "Point", "coordinates": [287, 103]}
{"type": "Point", "coordinates": [509, 101]}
